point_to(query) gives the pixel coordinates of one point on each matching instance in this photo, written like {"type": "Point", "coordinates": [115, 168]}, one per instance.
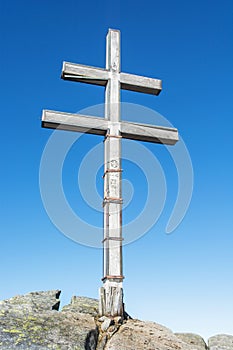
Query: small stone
{"type": "Point", "coordinates": [118, 320]}
{"type": "Point", "coordinates": [106, 324]}
{"type": "Point", "coordinates": [102, 318]}
{"type": "Point", "coordinates": [112, 329]}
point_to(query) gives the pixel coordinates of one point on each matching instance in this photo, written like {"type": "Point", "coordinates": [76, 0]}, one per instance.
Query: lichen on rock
{"type": "Point", "coordinates": [33, 322]}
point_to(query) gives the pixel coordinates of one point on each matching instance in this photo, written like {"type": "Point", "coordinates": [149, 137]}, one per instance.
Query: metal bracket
{"type": "Point", "coordinates": [109, 277]}
{"type": "Point", "coordinates": [119, 239]}
{"type": "Point", "coordinates": [107, 136]}
{"type": "Point", "coordinates": [112, 200]}
{"type": "Point", "coordinates": [112, 171]}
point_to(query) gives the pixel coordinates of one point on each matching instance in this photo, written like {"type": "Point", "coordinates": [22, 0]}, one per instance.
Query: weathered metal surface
{"type": "Point", "coordinates": [111, 299]}
{"type": "Point", "coordinates": [84, 74]}
{"type": "Point", "coordinates": [74, 122]}
{"type": "Point", "coordinates": [100, 126]}
{"type": "Point", "coordinates": [140, 84]}
{"type": "Point", "coordinates": [111, 294]}
{"type": "Point", "coordinates": [99, 76]}
{"type": "Point", "coordinates": [149, 133]}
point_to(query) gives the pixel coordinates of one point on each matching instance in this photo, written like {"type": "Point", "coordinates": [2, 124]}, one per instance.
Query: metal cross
{"type": "Point", "coordinates": [113, 129]}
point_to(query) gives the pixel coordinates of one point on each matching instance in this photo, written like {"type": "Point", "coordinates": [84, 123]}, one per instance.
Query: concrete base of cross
{"type": "Point", "coordinates": [111, 299]}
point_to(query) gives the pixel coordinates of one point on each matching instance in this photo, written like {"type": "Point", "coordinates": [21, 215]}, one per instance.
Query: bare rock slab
{"type": "Point", "coordinates": [83, 305]}
{"type": "Point", "coordinates": [194, 340]}
{"type": "Point", "coordinates": [221, 342]}
{"type": "Point", "coordinates": [33, 322]}
{"type": "Point", "coordinates": [34, 302]}
{"type": "Point", "coordinates": [138, 335]}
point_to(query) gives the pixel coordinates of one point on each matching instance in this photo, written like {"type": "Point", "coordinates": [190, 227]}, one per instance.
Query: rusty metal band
{"type": "Point", "coordinates": [112, 239]}
{"type": "Point", "coordinates": [112, 200]}
{"type": "Point", "coordinates": [115, 136]}
{"type": "Point", "coordinates": [112, 171]}
{"type": "Point", "coordinates": [109, 277]}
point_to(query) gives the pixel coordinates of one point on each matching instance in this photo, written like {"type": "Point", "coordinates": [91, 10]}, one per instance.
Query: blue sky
{"type": "Point", "coordinates": [185, 277]}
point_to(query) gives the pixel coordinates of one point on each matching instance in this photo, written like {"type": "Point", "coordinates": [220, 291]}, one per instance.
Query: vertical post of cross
{"type": "Point", "coordinates": [111, 294]}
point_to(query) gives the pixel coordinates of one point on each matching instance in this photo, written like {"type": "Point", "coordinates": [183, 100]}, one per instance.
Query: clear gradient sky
{"type": "Point", "coordinates": [182, 280]}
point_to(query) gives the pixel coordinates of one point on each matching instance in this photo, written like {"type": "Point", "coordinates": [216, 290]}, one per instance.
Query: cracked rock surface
{"type": "Point", "coordinates": [137, 335]}
{"type": "Point", "coordinates": [32, 321]}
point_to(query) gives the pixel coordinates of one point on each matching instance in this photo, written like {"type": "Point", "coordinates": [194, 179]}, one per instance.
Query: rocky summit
{"type": "Point", "coordinates": [33, 321]}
